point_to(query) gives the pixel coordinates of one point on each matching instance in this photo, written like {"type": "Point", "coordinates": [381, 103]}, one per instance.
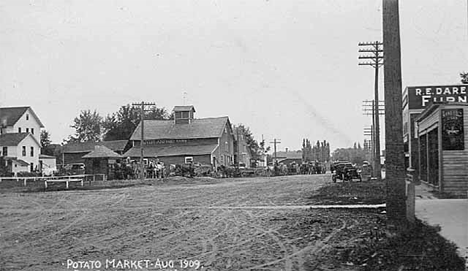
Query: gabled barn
{"type": "Point", "coordinates": [185, 139]}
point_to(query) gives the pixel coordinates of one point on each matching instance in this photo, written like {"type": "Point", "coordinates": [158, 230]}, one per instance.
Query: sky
{"type": "Point", "coordinates": [288, 70]}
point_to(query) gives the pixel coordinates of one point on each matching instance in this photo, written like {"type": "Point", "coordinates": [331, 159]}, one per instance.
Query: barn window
{"type": "Point", "coordinates": [188, 160]}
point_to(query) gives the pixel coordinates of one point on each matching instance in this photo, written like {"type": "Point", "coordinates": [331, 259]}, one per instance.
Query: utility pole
{"type": "Point", "coordinates": [238, 146]}
{"type": "Point", "coordinates": [376, 60]}
{"type": "Point", "coordinates": [369, 109]}
{"type": "Point", "coordinates": [394, 158]}
{"type": "Point", "coordinates": [142, 139]}
{"type": "Point", "coordinates": [275, 141]}
{"type": "Point", "coordinates": [370, 132]}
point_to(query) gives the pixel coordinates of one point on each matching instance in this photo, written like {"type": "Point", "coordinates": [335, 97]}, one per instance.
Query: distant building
{"type": "Point", "coordinates": [287, 157]}
{"type": "Point", "coordinates": [20, 146]}
{"type": "Point", "coordinates": [186, 139]}
{"type": "Point", "coordinates": [47, 164]}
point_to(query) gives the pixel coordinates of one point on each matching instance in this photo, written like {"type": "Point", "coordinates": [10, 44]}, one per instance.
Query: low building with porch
{"type": "Point", "coordinates": [185, 139]}
{"type": "Point", "coordinates": [101, 160]}
{"type": "Point", "coordinates": [442, 147]}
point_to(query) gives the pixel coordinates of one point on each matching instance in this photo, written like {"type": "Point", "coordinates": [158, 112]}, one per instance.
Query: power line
{"type": "Point", "coordinates": [142, 139]}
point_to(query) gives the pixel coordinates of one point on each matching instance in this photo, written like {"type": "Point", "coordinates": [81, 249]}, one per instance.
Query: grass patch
{"type": "Point", "coordinates": [372, 192]}
{"type": "Point", "coordinates": [418, 248]}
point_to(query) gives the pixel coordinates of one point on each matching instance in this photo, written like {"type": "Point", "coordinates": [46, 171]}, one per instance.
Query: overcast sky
{"type": "Point", "coordinates": [287, 69]}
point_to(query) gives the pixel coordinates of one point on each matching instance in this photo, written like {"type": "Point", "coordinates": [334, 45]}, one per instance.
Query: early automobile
{"type": "Point", "coordinates": [345, 171]}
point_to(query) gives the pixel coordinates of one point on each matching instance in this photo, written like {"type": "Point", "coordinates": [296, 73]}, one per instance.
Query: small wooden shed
{"type": "Point", "coordinates": [101, 161]}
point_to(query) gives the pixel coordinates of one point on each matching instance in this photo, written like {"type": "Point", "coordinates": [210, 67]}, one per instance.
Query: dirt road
{"type": "Point", "coordinates": [233, 224]}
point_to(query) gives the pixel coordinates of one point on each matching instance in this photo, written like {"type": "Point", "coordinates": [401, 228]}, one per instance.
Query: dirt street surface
{"type": "Point", "coordinates": [229, 224]}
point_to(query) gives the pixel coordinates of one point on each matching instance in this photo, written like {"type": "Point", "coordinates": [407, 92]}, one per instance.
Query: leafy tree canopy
{"type": "Point", "coordinates": [120, 125]}
{"type": "Point", "coordinates": [90, 126]}
{"type": "Point", "coordinates": [87, 127]}
{"type": "Point", "coordinates": [464, 77]}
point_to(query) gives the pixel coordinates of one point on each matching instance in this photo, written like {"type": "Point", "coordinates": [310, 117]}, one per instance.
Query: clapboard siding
{"type": "Point", "coordinates": [455, 165]}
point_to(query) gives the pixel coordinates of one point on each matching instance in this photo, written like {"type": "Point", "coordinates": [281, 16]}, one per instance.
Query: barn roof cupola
{"type": "Point", "coordinates": [183, 114]}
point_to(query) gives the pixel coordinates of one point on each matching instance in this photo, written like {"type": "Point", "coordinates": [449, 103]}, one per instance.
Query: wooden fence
{"type": "Point", "coordinates": [85, 177]}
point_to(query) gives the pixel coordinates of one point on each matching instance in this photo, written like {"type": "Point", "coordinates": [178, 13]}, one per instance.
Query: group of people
{"type": "Point", "coordinates": [130, 169]}
{"type": "Point", "coordinates": [155, 170]}
{"type": "Point", "coordinates": [295, 168]}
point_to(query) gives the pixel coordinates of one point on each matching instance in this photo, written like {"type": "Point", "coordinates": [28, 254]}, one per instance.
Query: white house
{"type": "Point", "coordinates": [20, 130]}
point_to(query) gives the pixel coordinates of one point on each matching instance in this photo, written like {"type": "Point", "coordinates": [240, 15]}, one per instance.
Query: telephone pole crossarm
{"type": "Point", "coordinates": [275, 142]}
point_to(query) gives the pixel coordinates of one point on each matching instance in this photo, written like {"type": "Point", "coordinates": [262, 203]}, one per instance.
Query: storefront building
{"type": "Point", "coordinates": [415, 100]}
{"type": "Point", "coordinates": [442, 153]}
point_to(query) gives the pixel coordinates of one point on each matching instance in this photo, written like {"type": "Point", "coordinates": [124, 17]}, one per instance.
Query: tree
{"type": "Point", "coordinates": [252, 144]}
{"type": "Point", "coordinates": [87, 127]}
{"type": "Point", "coordinates": [46, 149]}
{"type": "Point", "coordinates": [464, 77]}
{"type": "Point", "coordinates": [45, 138]}
{"type": "Point", "coordinates": [354, 155]}
{"type": "Point", "coordinates": [120, 125]}
{"type": "Point", "coordinates": [319, 152]}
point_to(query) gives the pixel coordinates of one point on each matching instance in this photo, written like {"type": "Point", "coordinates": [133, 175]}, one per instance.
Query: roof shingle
{"type": "Point", "coordinates": [184, 108]}
{"type": "Point", "coordinates": [172, 150]}
{"type": "Point", "coordinates": [114, 145]}
{"type": "Point", "coordinates": [167, 129]}
{"type": "Point", "coordinates": [10, 115]}
{"type": "Point", "coordinates": [102, 152]}
{"type": "Point", "coordinates": [12, 139]}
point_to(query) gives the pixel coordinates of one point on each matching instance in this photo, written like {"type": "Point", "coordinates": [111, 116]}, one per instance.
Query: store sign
{"type": "Point", "coordinates": [421, 97]}
{"type": "Point", "coordinates": [165, 141]}
{"type": "Point", "coordinates": [453, 136]}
